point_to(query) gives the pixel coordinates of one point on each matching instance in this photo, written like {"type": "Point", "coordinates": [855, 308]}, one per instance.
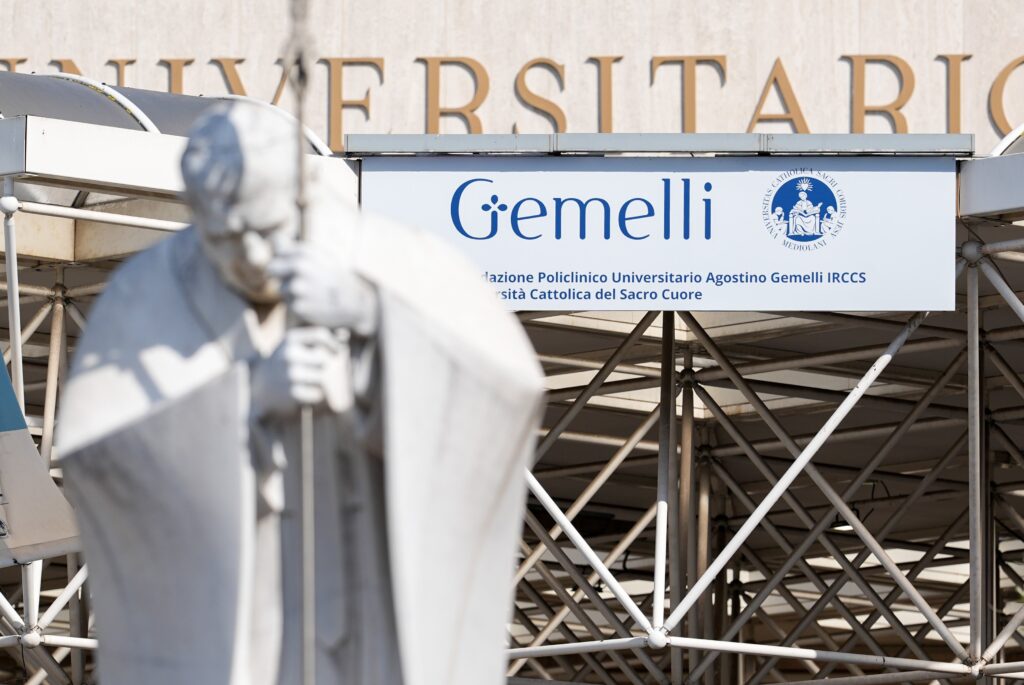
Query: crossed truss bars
{"type": "Point", "coordinates": [651, 630]}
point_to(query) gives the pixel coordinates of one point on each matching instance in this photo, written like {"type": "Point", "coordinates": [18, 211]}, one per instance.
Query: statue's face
{"type": "Point", "coordinates": [803, 195]}
{"type": "Point", "coordinates": [240, 239]}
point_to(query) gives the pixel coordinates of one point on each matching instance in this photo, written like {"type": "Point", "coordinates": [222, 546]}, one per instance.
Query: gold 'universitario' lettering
{"type": "Point", "coordinates": [996, 106]}
{"type": "Point", "coordinates": [953, 82]}
{"type": "Point", "coordinates": [859, 110]}
{"type": "Point", "coordinates": [466, 112]}
{"type": "Point", "coordinates": [792, 113]}
{"type": "Point", "coordinates": [689, 81]}
{"type": "Point", "coordinates": [537, 103]}
{"type": "Point", "coordinates": [604, 90]}
{"type": "Point", "coordinates": [337, 103]}
{"type": "Point", "coordinates": [176, 72]}
{"type": "Point", "coordinates": [778, 80]}
{"type": "Point", "coordinates": [120, 65]}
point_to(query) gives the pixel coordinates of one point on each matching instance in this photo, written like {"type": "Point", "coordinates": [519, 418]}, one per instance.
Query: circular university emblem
{"type": "Point", "coordinates": [804, 209]}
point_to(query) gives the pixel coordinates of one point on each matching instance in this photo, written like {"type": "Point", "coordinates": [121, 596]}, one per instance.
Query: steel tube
{"type": "Point", "coordinates": [86, 290]}
{"type": "Point", "coordinates": [105, 217]}
{"type": "Point", "coordinates": [52, 381]}
{"type": "Point", "coordinates": [588, 623]}
{"type": "Point", "coordinates": [1005, 369]}
{"type": "Point", "coordinates": [1004, 635]}
{"type": "Point", "coordinates": [592, 488]}
{"type": "Point", "coordinates": [1015, 245]}
{"type": "Point", "coordinates": [592, 594]}
{"type": "Point", "coordinates": [791, 599]}
{"type": "Point", "coordinates": [994, 277]}
{"type": "Point", "coordinates": [837, 501]}
{"type": "Point", "coordinates": [1006, 667]}
{"type": "Point", "coordinates": [36, 291]}
{"type": "Point", "coordinates": [66, 641]}
{"type": "Point", "coordinates": [78, 624]}
{"type": "Point", "coordinates": [918, 567]}
{"type": "Point", "coordinates": [31, 582]}
{"type": "Point", "coordinates": [524, 620]}
{"type": "Point", "coordinates": [820, 655]}
{"type": "Point", "coordinates": [700, 627]}
{"type": "Point", "coordinates": [790, 475]}
{"type": "Point", "coordinates": [581, 401]}
{"type": "Point", "coordinates": [687, 522]}
{"type": "Point", "coordinates": [578, 648]}
{"type": "Point", "coordinates": [8, 611]}
{"type": "Point", "coordinates": [628, 539]}
{"type": "Point", "coordinates": [541, 603]}
{"type": "Point", "coordinates": [822, 587]}
{"type": "Point", "coordinates": [76, 315]}
{"type": "Point", "coordinates": [826, 358]}
{"type": "Point", "coordinates": [63, 598]}
{"type": "Point", "coordinates": [975, 483]}
{"type": "Point", "coordinates": [878, 678]}
{"type": "Point", "coordinates": [666, 452]}
{"type": "Point", "coordinates": [581, 544]}
{"type": "Point", "coordinates": [30, 328]}
{"type": "Point", "coordinates": [13, 293]}
{"type": "Point", "coordinates": [796, 555]}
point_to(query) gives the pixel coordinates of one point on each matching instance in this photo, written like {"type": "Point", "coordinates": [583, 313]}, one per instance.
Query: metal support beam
{"type": "Point", "coordinates": [974, 470]}
{"type": "Point", "coordinates": [8, 203]}
{"type": "Point", "coordinates": [581, 401]}
{"type": "Point", "coordinates": [798, 465]}
{"type": "Point", "coordinates": [666, 453]}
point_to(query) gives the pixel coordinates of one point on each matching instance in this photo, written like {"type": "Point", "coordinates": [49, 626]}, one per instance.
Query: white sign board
{"type": "Point", "coordinates": [713, 233]}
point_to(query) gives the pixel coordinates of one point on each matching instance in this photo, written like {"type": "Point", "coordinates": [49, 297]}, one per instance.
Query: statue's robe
{"type": "Point", "coordinates": [419, 491]}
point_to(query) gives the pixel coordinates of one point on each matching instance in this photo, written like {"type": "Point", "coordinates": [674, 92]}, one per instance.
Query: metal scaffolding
{"type": "Point", "coordinates": [784, 562]}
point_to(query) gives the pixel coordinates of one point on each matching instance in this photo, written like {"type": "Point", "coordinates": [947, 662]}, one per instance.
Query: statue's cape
{"type": "Point", "coordinates": [462, 394]}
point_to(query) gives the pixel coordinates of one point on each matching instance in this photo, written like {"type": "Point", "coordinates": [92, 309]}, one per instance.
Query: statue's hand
{"type": "Point", "coordinates": [298, 373]}
{"type": "Point", "coordinates": [320, 289]}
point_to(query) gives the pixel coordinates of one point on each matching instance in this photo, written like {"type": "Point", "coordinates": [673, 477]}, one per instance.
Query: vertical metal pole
{"type": "Point", "coordinates": [734, 610]}
{"type": "Point", "coordinates": [974, 469]}
{"type": "Point", "coordinates": [52, 374]}
{"type": "Point", "coordinates": [76, 623]}
{"type": "Point", "coordinates": [677, 571]}
{"type": "Point", "coordinates": [703, 530]}
{"type": "Point", "coordinates": [13, 304]}
{"type": "Point", "coordinates": [721, 612]}
{"type": "Point", "coordinates": [687, 505]}
{"type": "Point", "coordinates": [31, 583]}
{"type": "Point", "coordinates": [665, 454]}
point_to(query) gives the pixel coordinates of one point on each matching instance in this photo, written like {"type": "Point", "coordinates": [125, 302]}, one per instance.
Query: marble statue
{"type": "Point", "coordinates": [179, 438]}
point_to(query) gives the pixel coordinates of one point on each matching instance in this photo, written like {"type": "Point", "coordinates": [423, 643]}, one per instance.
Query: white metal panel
{"type": "Point", "coordinates": [133, 162]}
{"type": "Point", "coordinates": [992, 186]}
{"type": "Point", "coordinates": [12, 146]}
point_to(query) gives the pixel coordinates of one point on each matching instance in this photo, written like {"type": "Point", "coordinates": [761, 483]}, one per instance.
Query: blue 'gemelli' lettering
{"type": "Point", "coordinates": [582, 205]}
{"type": "Point", "coordinates": [515, 217]}
{"type": "Point", "coordinates": [456, 219]}
{"type": "Point", "coordinates": [648, 212]}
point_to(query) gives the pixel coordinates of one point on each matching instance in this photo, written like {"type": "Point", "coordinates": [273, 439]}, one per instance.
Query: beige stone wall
{"type": "Point", "coordinates": [810, 37]}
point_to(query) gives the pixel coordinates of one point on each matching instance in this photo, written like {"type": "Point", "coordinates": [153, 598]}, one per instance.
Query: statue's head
{"type": "Point", "coordinates": [802, 195]}
{"type": "Point", "coordinates": [240, 172]}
